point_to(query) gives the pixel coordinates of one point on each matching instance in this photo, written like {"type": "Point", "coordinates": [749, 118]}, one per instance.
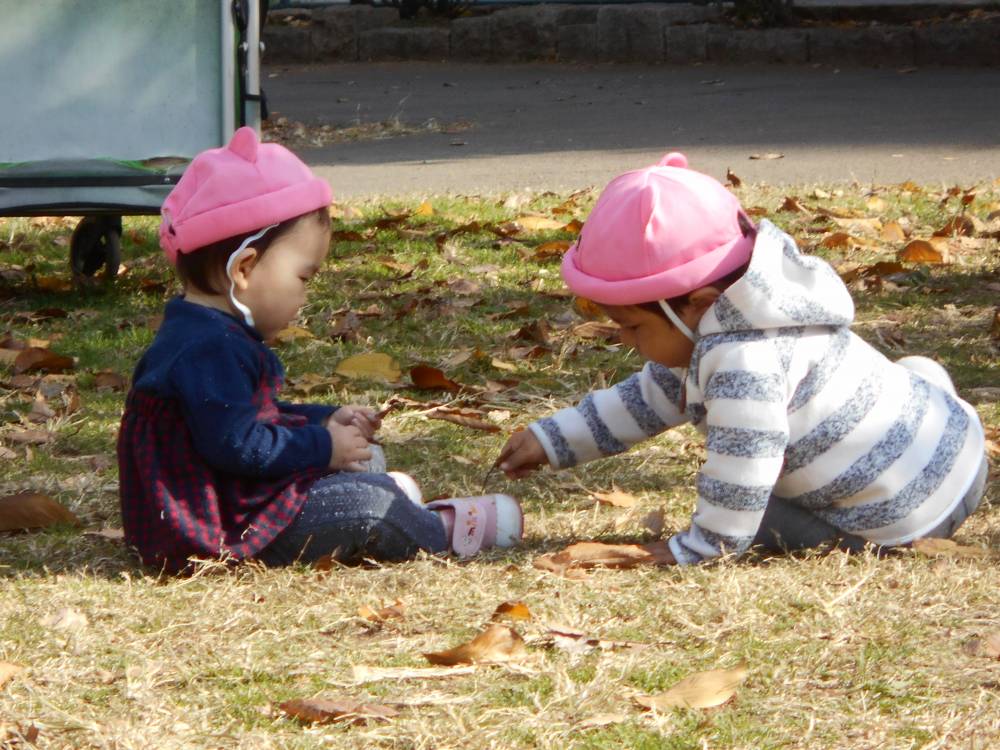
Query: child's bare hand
{"type": "Point", "coordinates": [350, 446]}
{"type": "Point", "coordinates": [521, 455]}
{"type": "Point", "coordinates": [362, 417]}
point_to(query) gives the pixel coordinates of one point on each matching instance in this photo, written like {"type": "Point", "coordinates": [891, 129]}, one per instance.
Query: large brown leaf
{"type": "Point", "coordinates": [598, 554]}
{"type": "Point", "coordinates": [329, 710]}
{"type": "Point", "coordinates": [498, 643]}
{"type": "Point", "coordinates": [924, 251]}
{"type": "Point", "coordinates": [371, 365]}
{"type": "Point", "coordinates": [32, 510]}
{"type": "Point", "coordinates": [36, 358]}
{"type": "Point", "coordinates": [701, 690]}
{"type": "Point", "coordinates": [515, 610]}
{"type": "Point", "coordinates": [428, 378]}
{"type": "Point", "coordinates": [464, 417]}
{"type": "Point", "coordinates": [616, 498]}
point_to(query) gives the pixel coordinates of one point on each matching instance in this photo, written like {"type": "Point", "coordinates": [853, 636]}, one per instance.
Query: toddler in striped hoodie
{"type": "Point", "coordinates": [813, 437]}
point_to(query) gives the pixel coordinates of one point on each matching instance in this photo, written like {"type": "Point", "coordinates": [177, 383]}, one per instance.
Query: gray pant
{"type": "Point", "coordinates": [356, 515]}
{"type": "Point", "coordinates": [788, 527]}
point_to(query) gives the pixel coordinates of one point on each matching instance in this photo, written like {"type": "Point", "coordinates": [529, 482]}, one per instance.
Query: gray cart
{"type": "Point", "coordinates": [105, 102]}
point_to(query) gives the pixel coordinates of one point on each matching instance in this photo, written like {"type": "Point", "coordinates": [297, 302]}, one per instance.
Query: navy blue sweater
{"type": "Point", "coordinates": [222, 374]}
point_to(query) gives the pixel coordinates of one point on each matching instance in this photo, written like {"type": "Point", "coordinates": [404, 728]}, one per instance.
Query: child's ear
{"type": "Point", "coordinates": [703, 298]}
{"type": "Point", "coordinates": [243, 266]}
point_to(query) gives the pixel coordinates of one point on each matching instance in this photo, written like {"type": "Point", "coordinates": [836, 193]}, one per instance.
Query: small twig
{"type": "Point", "coordinates": [486, 479]}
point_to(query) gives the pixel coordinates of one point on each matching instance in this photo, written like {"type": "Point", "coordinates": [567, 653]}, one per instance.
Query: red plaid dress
{"type": "Point", "coordinates": [175, 503]}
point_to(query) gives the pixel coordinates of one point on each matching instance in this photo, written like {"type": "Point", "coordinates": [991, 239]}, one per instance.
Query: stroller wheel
{"type": "Point", "coordinates": [96, 242]}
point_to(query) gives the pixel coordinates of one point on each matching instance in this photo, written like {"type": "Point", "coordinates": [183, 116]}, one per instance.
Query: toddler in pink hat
{"type": "Point", "coordinates": [211, 463]}
{"type": "Point", "coordinates": [812, 437]}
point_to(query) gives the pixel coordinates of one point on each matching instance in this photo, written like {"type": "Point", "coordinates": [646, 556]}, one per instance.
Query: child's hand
{"type": "Point", "coordinates": [522, 455]}
{"type": "Point", "coordinates": [361, 417]}
{"type": "Point", "coordinates": [350, 446]}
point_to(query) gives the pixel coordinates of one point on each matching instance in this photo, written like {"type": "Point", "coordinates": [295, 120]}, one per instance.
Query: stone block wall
{"type": "Point", "coordinates": [638, 33]}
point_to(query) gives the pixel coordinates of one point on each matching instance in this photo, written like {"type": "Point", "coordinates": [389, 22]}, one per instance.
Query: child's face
{"type": "Point", "coordinates": [653, 336]}
{"type": "Point", "coordinates": [276, 285]}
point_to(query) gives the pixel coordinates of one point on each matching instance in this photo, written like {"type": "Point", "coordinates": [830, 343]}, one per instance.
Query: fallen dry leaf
{"type": "Point", "coordinates": [539, 223]}
{"type": "Point", "coordinates": [957, 226]}
{"type": "Point", "coordinates": [497, 643]}
{"type": "Point", "coordinates": [515, 610]}
{"type": "Point", "coordinates": [428, 378]}
{"type": "Point", "coordinates": [463, 417]}
{"type": "Point", "coordinates": [792, 205]}
{"type": "Point", "coordinates": [115, 535]}
{"type": "Point", "coordinates": [837, 241]}
{"type": "Point", "coordinates": [538, 331]}
{"type": "Point", "coordinates": [700, 690]}
{"type": "Point", "coordinates": [616, 498]}
{"type": "Point", "coordinates": [329, 710]}
{"type": "Point", "coordinates": [12, 735]}
{"type": "Point", "coordinates": [346, 327]}
{"type": "Point", "coordinates": [876, 204]}
{"type": "Point", "coordinates": [654, 521]}
{"type": "Point", "coordinates": [987, 646]}
{"type": "Point", "coordinates": [40, 410]}
{"type": "Point", "coordinates": [424, 209]}
{"type": "Point", "coordinates": [106, 379]}
{"type": "Point", "coordinates": [923, 251]}
{"type": "Point", "coordinates": [948, 548]}
{"type": "Point", "coordinates": [36, 359]}
{"type": "Point", "coordinates": [501, 365]}
{"type": "Point", "coordinates": [396, 611]}
{"type": "Point", "coordinates": [32, 510]}
{"type": "Point", "coordinates": [66, 618]}
{"type": "Point", "coordinates": [593, 329]}
{"type": "Point", "coordinates": [732, 179]}
{"type": "Point", "coordinates": [307, 382]}
{"type": "Point", "coordinates": [598, 554]}
{"type": "Point", "coordinates": [30, 437]}
{"type": "Point", "coordinates": [554, 249]}
{"type": "Point", "coordinates": [464, 287]}
{"type": "Point", "coordinates": [578, 641]}
{"type": "Point", "coordinates": [7, 672]}
{"type": "Point", "coordinates": [371, 365]}
{"type": "Point", "coordinates": [293, 333]}
{"type": "Point", "coordinates": [766, 156]}
{"type": "Point", "coordinates": [459, 357]}
{"type": "Point", "coordinates": [601, 720]}
{"type": "Point", "coordinates": [589, 309]}
{"type": "Point", "coordinates": [363, 673]}
{"type": "Point", "coordinates": [892, 231]}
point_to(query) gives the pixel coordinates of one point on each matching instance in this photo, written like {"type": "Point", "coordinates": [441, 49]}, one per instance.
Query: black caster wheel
{"type": "Point", "coordinates": [96, 242]}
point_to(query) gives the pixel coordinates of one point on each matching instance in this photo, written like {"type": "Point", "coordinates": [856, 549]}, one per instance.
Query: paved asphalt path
{"type": "Point", "coordinates": [563, 127]}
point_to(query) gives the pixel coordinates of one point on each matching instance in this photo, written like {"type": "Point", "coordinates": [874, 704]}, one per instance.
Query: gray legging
{"type": "Point", "coordinates": [356, 515]}
{"type": "Point", "coordinates": [789, 527]}
{"type": "Point", "coordinates": [353, 515]}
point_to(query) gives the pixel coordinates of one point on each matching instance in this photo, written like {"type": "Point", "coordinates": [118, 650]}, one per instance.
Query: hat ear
{"type": "Point", "coordinates": [244, 144]}
{"type": "Point", "coordinates": [673, 159]}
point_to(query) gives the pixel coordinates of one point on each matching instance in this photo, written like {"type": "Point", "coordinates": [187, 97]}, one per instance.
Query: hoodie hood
{"type": "Point", "coordinates": [782, 288]}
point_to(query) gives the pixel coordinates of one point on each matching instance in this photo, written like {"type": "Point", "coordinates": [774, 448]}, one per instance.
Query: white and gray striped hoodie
{"type": "Point", "coordinates": [791, 404]}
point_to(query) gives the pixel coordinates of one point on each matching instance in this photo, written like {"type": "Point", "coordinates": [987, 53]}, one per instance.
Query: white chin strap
{"type": "Point", "coordinates": [247, 315]}
{"type": "Point", "coordinates": [675, 319]}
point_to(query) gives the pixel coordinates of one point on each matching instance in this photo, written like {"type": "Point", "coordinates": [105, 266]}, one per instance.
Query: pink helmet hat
{"type": "Point", "coordinates": [237, 189]}
{"type": "Point", "coordinates": [657, 233]}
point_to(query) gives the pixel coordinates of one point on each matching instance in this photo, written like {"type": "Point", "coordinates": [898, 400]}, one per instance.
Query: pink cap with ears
{"type": "Point", "coordinates": [241, 188]}
{"type": "Point", "coordinates": [657, 233]}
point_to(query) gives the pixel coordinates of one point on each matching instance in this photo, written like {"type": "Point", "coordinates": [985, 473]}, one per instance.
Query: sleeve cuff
{"type": "Point", "coordinates": [550, 453]}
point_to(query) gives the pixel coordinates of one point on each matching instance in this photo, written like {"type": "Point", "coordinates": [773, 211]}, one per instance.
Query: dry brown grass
{"type": "Point", "coordinates": [843, 651]}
